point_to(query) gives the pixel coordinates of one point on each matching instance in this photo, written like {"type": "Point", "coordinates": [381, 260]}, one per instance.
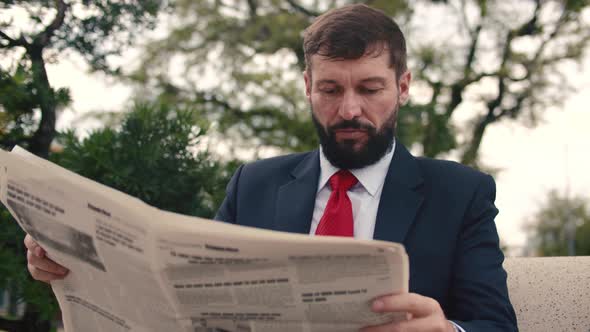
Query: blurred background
{"type": "Point", "coordinates": [164, 99]}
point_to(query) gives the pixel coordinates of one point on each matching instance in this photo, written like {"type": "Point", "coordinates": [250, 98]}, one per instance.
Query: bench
{"type": "Point", "coordinates": [550, 293]}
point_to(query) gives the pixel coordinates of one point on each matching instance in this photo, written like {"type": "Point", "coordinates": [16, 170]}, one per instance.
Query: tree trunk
{"type": "Point", "coordinates": [12, 300]}
{"type": "Point", "coordinates": [470, 155]}
{"type": "Point", "coordinates": [42, 138]}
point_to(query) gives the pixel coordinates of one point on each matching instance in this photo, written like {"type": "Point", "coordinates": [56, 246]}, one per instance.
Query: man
{"type": "Point", "coordinates": [363, 183]}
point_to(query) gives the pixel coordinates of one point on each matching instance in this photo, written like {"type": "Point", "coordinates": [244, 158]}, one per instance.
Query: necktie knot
{"type": "Point", "coordinates": [342, 180]}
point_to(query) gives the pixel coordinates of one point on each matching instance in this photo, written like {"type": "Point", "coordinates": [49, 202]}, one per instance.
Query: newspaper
{"type": "Point", "coordinates": [137, 268]}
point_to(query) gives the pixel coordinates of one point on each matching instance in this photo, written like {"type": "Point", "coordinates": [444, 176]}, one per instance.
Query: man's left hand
{"type": "Point", "coordinates": [425, 314]}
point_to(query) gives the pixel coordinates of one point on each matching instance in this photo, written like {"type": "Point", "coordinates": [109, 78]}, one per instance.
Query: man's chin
{"type": "Point", "coordinates": [352, 145]}
{"type": "Point", "coordinates": [347, 159]}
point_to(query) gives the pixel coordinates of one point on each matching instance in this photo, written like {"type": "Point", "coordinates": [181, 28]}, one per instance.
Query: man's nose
{"type": "Point", "coordinates": [350, 107]}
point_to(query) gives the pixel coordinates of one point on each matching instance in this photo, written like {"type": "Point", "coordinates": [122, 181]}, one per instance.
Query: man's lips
{"type": "Point", "coordinates": [350, 133]}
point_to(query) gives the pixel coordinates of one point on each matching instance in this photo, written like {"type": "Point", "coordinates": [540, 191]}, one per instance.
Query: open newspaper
{"type": "Point", "coordinates": [137, 268]}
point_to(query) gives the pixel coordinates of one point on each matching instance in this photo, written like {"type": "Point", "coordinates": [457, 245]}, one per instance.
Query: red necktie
{"type": "Point", "coordinates": [337, 218]}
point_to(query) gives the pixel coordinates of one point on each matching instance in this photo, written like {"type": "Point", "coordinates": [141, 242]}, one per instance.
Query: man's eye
{"type": "Point", "coordinates": [370, 91]}
{"type": "Point", "coordinates": [329, 91]}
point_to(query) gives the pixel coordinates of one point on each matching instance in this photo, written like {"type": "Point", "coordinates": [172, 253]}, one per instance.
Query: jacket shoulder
{"type": "Point", "coordinates": [446, 171]}
{"type": "Point", "coordinates": [274, 164]}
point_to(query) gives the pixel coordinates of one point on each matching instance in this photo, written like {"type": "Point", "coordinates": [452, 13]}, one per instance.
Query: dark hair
{"type": "Point", "coordinates": [352, 31]}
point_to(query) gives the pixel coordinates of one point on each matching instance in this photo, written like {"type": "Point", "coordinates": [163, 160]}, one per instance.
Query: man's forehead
{"type": "Point", "coordinates": [367, 69]}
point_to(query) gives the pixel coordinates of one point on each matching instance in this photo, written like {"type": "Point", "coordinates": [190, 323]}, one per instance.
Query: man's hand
{"type": "Point", "coordinates": [424, 312]}
{"type": "Point", "coordinates": [40, 266]}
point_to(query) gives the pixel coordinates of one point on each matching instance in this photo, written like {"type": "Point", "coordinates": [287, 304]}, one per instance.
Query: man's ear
{"type": "Point", "coordinates": [404, 87]}
{"type": "Point", "coordinates": [307, 79]}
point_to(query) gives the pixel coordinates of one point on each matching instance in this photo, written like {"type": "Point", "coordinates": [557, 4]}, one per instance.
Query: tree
{"type": "Point", "coordinates": [93, 29]}
{"type": "Point", "coordinates": [550, 230]}
{"type": "Point", "coordinates": [153, 157]}
{"type": "Point", "coordinates": [504, 62]}
{"type": "Point", "coordinates": [29, 104]}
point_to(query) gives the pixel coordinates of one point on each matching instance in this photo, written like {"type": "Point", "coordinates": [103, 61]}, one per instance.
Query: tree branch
{"type": "Point", "coordinates": [467, 70]}
{"type": "Point", "coordinates": [530, 28]}
{"type": "Point", "coordinates": [458, 87]}
{"type": "Point", "coordinates": [463, 13]}
{"type": "Point", "coordinates": [6, 37]}
{"type": "Point", "coordinates": [12, 42]}
{"type": "Point", "coordinates": [302, 9]}
{"type": "Point", "coordinates": [253, 6]}
{"type": "Point", "coordinates": [536, 61]}
{"type": "Point", "coordinates": [43, 38]}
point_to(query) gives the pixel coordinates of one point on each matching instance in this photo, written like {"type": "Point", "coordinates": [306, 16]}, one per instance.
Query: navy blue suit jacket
{"type": "Point", "coordinates": [441, 211]}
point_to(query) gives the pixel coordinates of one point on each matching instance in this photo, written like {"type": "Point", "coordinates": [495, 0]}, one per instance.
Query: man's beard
{"type": "Point", "coordinates": [344, 155]}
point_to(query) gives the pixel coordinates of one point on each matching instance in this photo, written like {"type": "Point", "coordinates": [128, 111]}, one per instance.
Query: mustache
{"type": "Point", "coordinates": [352, 124]}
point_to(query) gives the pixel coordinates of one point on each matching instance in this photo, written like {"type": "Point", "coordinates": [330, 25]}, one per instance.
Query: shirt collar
{"type": "Point", "coordinates": [370, 177]}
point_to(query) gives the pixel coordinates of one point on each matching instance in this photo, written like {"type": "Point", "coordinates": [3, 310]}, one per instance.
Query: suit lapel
{"type": "Point", "coordinates": [296, 199]}
{"type": "Point", "coordinates": [400, 198]}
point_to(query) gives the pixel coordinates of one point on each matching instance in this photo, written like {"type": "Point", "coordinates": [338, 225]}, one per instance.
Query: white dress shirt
{"type": "Point", "coordinates": [364, 196]}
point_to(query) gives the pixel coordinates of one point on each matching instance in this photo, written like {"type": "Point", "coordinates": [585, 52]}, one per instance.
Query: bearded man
{"type": "Point", "coordinates": [356, 79]}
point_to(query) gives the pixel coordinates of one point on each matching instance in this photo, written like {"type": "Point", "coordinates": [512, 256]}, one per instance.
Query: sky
{"type": "Point", "coordinates": [553, 155]}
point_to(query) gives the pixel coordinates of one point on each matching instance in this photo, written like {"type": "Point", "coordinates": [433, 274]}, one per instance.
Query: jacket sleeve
{"type": "Point", "coordinates": [228, 210]}
{"type": "Point", "coordinates": [479, 293]}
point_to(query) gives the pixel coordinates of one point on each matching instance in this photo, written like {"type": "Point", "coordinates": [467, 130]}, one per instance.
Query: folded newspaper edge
{"type": "Point", "coordinates": [134, 267]}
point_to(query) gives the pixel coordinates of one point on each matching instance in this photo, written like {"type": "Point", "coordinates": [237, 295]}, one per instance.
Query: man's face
{"type": "Point", "coordinates": [354, 107]}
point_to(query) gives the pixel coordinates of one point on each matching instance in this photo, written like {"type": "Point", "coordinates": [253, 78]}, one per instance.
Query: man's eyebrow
{"type": "Point", "coordinates": [326, 81]}
{"type": "Point", "coordinates": [374, 79]}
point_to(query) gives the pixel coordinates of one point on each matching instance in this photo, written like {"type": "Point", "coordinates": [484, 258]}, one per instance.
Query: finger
{"type": "Point", "coordinates": [430, 323]}
{"type": "Point", "coordinates": [415, 304]}
{"type": "Point", "coordinates": [41, 275]}
{"type": "Point", "coordinates": [380, 328]}
{"type": "Point", "coordinates": [33, 246]}
{"type": "Point", "coordinates": [45, 264]}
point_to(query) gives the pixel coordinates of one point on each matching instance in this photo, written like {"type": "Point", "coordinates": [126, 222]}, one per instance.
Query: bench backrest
{"type": "Point", "coordinates": [550, 293]}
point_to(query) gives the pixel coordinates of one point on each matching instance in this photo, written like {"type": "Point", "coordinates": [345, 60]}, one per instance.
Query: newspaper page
{"type": "Point", "coordinates": [137, 268]}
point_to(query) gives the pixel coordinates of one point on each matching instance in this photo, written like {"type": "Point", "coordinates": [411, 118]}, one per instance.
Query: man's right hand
{"type": "Point", "coordinates": [40, 266]}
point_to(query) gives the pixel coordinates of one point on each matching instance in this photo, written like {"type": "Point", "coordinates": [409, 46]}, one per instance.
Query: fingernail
{"type": "Point", "coordinates": [63, 271]}
{"type": "Point", "coordinates": [39, 252]}
{"type": "Point", "coordinates": [378, 305]}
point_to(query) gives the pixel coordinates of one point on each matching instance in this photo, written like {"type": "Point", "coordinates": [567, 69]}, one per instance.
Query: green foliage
{"type": "Point", "coordinates": [18, 102]}
{"type": "Point", "coordinates": [550, 229]}
{"type": "Point", "coordinates": [422, 125]}
{"type": "Point", "coordinates": [152, 157]}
